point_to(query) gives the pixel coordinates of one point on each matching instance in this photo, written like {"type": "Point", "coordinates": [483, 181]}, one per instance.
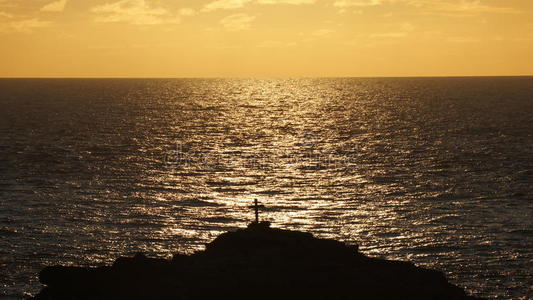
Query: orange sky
{"type": "Point", "coordinates": [265, 38]}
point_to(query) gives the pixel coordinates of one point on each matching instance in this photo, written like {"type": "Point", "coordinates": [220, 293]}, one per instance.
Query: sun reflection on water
{"type": "Point", "coordinates": [399, 166]}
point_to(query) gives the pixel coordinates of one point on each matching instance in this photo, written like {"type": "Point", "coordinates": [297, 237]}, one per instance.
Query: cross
{"type": "Point", "coordinates": [256, 208]}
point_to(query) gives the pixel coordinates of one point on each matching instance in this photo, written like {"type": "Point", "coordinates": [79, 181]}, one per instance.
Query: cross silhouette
{"type": "Point", "coordinates": [256, 208]}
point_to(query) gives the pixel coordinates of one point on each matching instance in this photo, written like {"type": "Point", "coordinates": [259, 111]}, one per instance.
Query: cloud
{"type": "Point", "coordinates": [463, 40]}
{"type": "Point", "coordinates": [187, 12]}
{"type": "Point", "coordinates": [271, 44]}
{"type": "Point", "coordinates": [356, 3]}
{"type": "Point", "coordinates": [235, 4]}
{"type": "Point", "coordinates": [5, 3]}
{"type": "Point", "coordinates": [237, 22]}
{"type": "Point", "coordinates": [460, 7]}
{"type": "Point", "coordinates": [403, 30]}
{"type": "Point", "coordinates": [322, 32]}
{"type": "Point", "coordinates": [275, 44]}
{"type": "Point", "coordinates": [136, 12]}
{"type": "Point", "coordinates": [225, 4]}
{"type": "Point", "coordinates": [23, 26]}
{"type": "Point", "coordinates": [389, 35]}
{"type": "Point", "coordinates": [294, 2]}
{"type": "Point", "coordinates": [472, 6]}
{"type": "Point", "coordinates": [406, 27]}
{"type": "Point", "coordinates": [56, 6]}
{"type": "Point", "coordinates": [5, 15]}
{"type": "Point", "coordinates": [313, 36]}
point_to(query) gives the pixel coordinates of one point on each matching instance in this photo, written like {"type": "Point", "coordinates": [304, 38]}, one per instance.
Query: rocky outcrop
{"type": "Point", "coordinates": [258, 262]}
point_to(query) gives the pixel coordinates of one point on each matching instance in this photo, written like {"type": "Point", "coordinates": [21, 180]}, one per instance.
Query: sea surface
{"type": "Point", "coordinates": [438, 171]}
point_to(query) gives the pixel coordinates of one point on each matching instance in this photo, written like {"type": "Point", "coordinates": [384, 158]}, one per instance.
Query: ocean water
{"type": "Point", "coordinates": [438, 171]}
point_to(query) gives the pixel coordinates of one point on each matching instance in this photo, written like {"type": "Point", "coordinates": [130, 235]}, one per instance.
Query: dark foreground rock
{"type": "Point", "coordinates": [254, 263]}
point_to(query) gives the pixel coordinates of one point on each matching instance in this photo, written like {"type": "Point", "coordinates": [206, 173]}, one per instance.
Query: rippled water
{"type": "Point", "coordinates": [438, 171]}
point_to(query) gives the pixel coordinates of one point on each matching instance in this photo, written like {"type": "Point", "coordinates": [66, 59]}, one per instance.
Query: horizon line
{"type": "Point", "coordinates": [261, 77]}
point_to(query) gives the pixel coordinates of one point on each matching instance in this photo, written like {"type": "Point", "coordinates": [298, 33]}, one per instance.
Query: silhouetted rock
{"type": "Point", "coordinates": [258, 262]}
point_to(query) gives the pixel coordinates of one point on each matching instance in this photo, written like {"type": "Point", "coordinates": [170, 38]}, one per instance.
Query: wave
{"type": "Point", "coordinates": [198, 203]}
